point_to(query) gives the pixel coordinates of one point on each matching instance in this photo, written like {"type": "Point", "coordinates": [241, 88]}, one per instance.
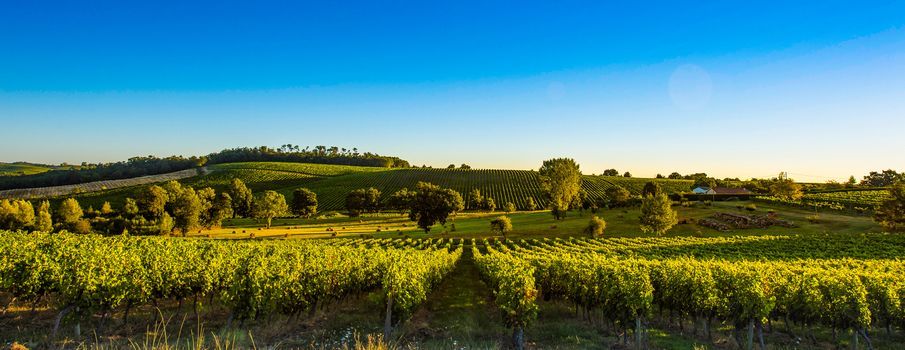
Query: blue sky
{"type": "Point", "coordinates": [730, 88]}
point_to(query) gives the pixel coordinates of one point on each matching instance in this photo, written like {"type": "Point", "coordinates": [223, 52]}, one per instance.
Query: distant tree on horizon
{"type": "Point", "coordinates": [891, 213]}
{"type": "Point", "coordinates": [610, 172]}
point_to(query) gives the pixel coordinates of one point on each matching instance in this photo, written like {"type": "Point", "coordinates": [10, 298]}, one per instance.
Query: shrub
{"type": "Point", "coordinates": [595, 227]}
{"type": "Point", "coordinates": [751, 207]}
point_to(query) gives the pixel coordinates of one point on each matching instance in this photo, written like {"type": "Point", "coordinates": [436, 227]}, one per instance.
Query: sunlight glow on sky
{"type": "Point", "coordinates": [734, 89]}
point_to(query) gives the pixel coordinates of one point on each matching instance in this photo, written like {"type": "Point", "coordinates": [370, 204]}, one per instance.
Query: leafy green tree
{"type": "Point", "coordinates": [489, 205]}
{"type": "Point", "coordinates": [221, 209]}
{"type": "Point", "coordinates": [165, 224]}
{"type": "Point", "coordinates": [451, 166]}
{"type": "Point", "coordinates": [561, 179]}
{"type": "Point", "coordinates": [531, 205]}
{"type": "Point", "coordinates": [618, 196]}
{"type": "Point", "coordinates": [400, 200]}
{"type": "Point", "coordinates": [501, 225]}
{"type": "Point", "coordinates": [43, 220]}
{"type": "Point", "coordinates": [851, 182]}
{"type": "Point", "coordinates": [882, 179]}
{"type": "Point", "coordinates": [372, 200]}
{"type": "Point", "coordinates": [432, 204]}
{"type": "Point", "coordinates": [269, 205]}
{"type": "Point", "coordinates": [595, 227]}
{"type": "Point", "coordinates": [153, 201]}
{"type": "Point", "coordinates": [657, 215]}
{"type": "Point", "coordinates": [610, 172]}
{"type": "Point", "coordinates": [660, 176]}
{"type": "Point", "coordinates": [704, 181]}
{"type": "Point", "coordinates": [465, 166]}
{"type": "Point", "coordinates": [786, 189]}
{"type": "Point", "coordinates": [304, 203]}
{"type": "Point", "coordinates": [509, 207]}
{"type": "Point", "coordinates": [627, 174]}
{"type": "Point", "coordinates": [186, 209]}
{"type": "Point", "coordinates": [242, 198]}
{"type": "Point", "coordinates": [69, 212]}
{"type": "Point", "coordinates": [675, 176]}
{"type": "Point", "coordinates": [475, 200]}
{"type": "Point", "coordinates": [130, 208]}
{"type": "Point", "coordinates": [651, 188]}
{"type": "Point", "coordinates": [891, 213]}
{"type": "Point", "coordinates": [106, 209]}
{"type": "Point", "coordinates": [16, 215]}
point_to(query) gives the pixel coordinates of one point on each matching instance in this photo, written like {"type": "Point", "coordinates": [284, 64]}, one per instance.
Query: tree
{"type": "Point", "coordinates": [489, 205]}
{"type": "Point", "coordinates": [465, 166]}
{"type": "Point", "coordinates": [675, 176]}
{"type": "Point", "coordinates": [153, 201]}
{"type": "Point", "coordinates": [221, 209]}
{"type": "Point", "coordinates": [363, 200]}
{"type": "Point", "coordinates": [501, 225]}
{"type": "Point", "coordinates": [432, 204]}
{"type": "Point", "coordinates": [16, 215]}
{"type": "Point", "coordinates": [130, 208]}
{"type": "Point", "coordinates": [164, 224]}
{"type": "Point", "coordinates": [531, 205]}
{"type": "Point", "coordinates": [786, 188]}
{"type": "Point", "coordinates": [660, 176]}
{"type": "Point", "coordinates": [561, 179]}
{"type": "Point", "coordinates": [595, 227]}
{"type": "Point", "coordinates": [451, 166]}
{"type": "Point", "coordinates": [43, 221]}
{"type": "Point", "coordinates": [657, 215]}
{"type": "Point", "coordinates": [851, 182]}
{"type": "Point", "coordinates": [304, 203]}
{"type": "Point", "coordinates": [509, 207]}
{"type": "Point", "coordinates": [704, 181]}
{"type": "Point", "coordinates": [475, 200]}
{"type": "Point", "coordinates": [627, 174]}
{"type": "Point", "coordinates": [882, 179]}
{"type": "Point", "coordinates": [186, 208]}
{"type": "Point", "coordinates": [618, 196]}
{"type": "Point", "coordinates": [651, 188]}
{"type": "Point", "coordinates": [891, 213]}
{"type": "Point", "coordinates": [400, 200]}
{"type": "Point", "coordinates": [610, 172]}
{"type": "Point", "coordinates": [242, 198]}
{"type": "Point", "coordinates": [106, 209]}
{"type": "Point", "coordinates": [69, 212]}
{"type": "Point", "coordinates": [269, 205]}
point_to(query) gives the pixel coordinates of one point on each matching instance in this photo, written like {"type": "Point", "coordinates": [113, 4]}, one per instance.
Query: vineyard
{"type": "Point", "coordinates": [90, 274]}
{"type": "Point", "coordinates": [741, 287]}
{"type": "Point", "coordinates": [747, 282]}
{"type": "Point", "coordinates": [857, 200]}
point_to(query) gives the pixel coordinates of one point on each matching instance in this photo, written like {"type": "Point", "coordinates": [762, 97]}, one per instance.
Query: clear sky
{"type": "Point", "coordinates": [743, 88]}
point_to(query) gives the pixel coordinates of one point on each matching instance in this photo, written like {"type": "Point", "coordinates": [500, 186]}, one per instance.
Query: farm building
{"type": "Point", "coordinates": [721, 190]}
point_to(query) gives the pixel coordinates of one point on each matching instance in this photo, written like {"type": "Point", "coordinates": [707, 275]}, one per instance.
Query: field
{"type": "Point", "coordinates": [727, 275]}
{"type": "Point", "coordinates": [17, 169]}
{"type": "Point", "coordinates": [333, 182]}
{"type": "Point", "coordinates": [855, 200]}
{"type": "Point", "coordinates": [97, 186]}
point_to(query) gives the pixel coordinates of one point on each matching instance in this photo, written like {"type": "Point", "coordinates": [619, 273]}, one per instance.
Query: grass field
{"type": "Point", "coordinates": [17, 169]}
{"type": "Point", "coordinates": [537, 224]}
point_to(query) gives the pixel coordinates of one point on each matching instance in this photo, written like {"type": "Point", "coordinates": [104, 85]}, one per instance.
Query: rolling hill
{"type": "Point", "coordinates": [20, 168]}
